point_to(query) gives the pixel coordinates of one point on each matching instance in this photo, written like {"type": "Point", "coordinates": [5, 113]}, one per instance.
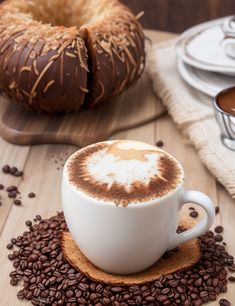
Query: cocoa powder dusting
{"type": "Point", "coordinates": [158, 186]}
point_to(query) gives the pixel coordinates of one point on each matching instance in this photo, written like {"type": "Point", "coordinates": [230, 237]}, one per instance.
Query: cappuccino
{"type": "Point", "coordinates": [147, 186]}
{"type": "Point", "coordinates": [124, 172]}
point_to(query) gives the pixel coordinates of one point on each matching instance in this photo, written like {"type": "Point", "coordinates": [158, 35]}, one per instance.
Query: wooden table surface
{"type": "Point", "coordinates": [42, 166]}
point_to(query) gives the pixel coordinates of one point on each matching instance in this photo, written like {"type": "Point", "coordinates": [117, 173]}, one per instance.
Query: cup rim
{"type": "Point", "coordinates": [132, 205]}
{"type": "Point", "coordinates": [216, 104]}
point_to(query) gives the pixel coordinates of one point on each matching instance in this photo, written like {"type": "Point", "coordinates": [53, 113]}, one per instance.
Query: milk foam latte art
{"type": "Point", "coordinates": [124, 172]}
{"type": "Point", "coordinates": [121, 201]}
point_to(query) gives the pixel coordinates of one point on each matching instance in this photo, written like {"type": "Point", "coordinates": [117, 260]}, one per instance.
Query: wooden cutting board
{"type": "Point", "coordinates": [136, 106]}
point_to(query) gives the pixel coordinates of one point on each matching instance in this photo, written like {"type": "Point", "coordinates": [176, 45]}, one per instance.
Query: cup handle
{"type": "Point", "coordinates": [192, 196]}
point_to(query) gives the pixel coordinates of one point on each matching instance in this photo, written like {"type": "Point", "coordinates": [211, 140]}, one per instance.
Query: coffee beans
{"type": "Point", "coordinates": [231, 278]}
{"type": "Point", "coordinates": [219, 229]}
{"type": "Point", "coordinates": [12, 170]}
{"type": "Point", "coordinates": [194, 214]}
{"type": "Point", "coordinates": [13, 193]}
{"type": "Point", "coordinates": [6, 169]}
{"type": "Point", "coordinates": [10, 246]}
{"type": "Point", "coordinates": [232, 268]}
{"type": "Point", "coordinates": [17, 202]}
{"type": "Point", "coordinates": [159, 143]}
{"type": "Point", "coordinates": [48, 279]}
{"type": "Point", "coordinates": [18, 173]}
{"type": "Point", "coordinates": [28, 223]}
{"type": "Point", "coordinates": [218, 237]}
{"type": "Point", "coordinates": [12, 188]}
{"type": "Point", "coordinates": [224, 302]}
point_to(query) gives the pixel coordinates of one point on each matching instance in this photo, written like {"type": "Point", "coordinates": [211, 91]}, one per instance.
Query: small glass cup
{"type": "Point", "coordinates": [226, 121]}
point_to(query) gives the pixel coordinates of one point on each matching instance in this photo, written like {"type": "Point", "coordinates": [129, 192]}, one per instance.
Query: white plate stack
{"type": "Point", "coordinates": [206, 55]}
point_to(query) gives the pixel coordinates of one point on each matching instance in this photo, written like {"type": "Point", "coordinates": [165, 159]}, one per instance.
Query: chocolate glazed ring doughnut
{"type": "Point", "coordinates": [60, 56]}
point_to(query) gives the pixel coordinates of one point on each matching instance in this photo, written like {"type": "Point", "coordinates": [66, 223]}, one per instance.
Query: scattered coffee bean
{"type": "Point", "coordinates": [38, 217]}
{"type": "Point", "coordinates": [219, 229]}
{"type": "Point", "coordinates": [48, 279]}
{"type": "Point", "coordinates": [6, 169]}
{"type": "Point", "coordinates": [14, 281]}
{"type": "Point", "coordinates": [10, 246]}
{"type": "Point", "coordinates": [21, 295]}
{"type": "Point", "coordinates": [17, 202]}
{"type": "Point", "coordinates": [31, 195]}
{"type": "Point", "coordinates": [13, 241]}
{"type": "Point", "coordinates": [229, 260]}
{"type": "Point", "coordinates": [10, 256]}
{"type": "Point", "coordinates": [232, 268]}
{"type": "Point", "coordinates": [231, 278]}
{"type": "Point", "coordinates": [191, 208]}
{"type": "Point", "coordinates": [224, 302]}
{"type": "Point", "coordinates": [18, 173]}
{"type": "Point", "coordinates": [216, 210]}
{"type": "Point", "coordinates": [28, 223]}
{"type": "Point", "coordinates": [218, 237]}
{"type": "Point", "coordinates": [13, 170]}
{"type": "Point", "coordinates": [12, 194]}
{"type": "Point", "coordinates": [12, 191]}
{"type": "Point", "coordinates": [159, 143]}
{"type": "Point", "coordinates": [11, 188]}
{"type": "Point", "coordinates": [194, 214]}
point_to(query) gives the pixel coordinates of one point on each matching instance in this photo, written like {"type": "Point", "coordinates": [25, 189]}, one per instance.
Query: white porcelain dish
{"type": "Point", "coordinates": [210, 83]}
{"type": "Point", "coordinates": [201, 47]}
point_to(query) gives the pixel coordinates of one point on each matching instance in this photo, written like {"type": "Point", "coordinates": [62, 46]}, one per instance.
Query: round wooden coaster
{"type": "Point", "coordinates": [188, 255]}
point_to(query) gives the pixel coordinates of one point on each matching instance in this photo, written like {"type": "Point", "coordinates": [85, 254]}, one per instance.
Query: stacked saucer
{"type": "Point", "coordinates": [206, 55]}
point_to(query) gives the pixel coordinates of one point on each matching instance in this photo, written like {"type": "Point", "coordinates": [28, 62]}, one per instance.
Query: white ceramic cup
{"type": "Point", "coordinates": [126, 240]}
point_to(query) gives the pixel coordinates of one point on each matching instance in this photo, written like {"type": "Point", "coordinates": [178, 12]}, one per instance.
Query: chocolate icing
{"type": "Point", "coordinates": [58, 68]}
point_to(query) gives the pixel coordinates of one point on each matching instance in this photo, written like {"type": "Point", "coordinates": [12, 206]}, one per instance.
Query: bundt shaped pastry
{"type": "Point", "coordinates": [61, 55]}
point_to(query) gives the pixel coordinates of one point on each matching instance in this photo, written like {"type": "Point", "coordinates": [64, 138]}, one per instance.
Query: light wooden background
{"type": "Point", "coordinates": [43, 178]}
